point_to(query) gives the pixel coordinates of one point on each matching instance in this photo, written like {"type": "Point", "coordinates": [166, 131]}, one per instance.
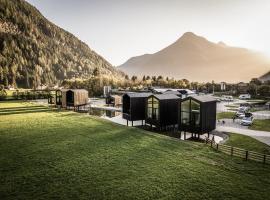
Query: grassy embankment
{"type": "Point", "coordinates": [247, 143]}
{"type": "Point", "coordinates": [47, 154]}
{"type": "Point", "coordinates": [261, 125]}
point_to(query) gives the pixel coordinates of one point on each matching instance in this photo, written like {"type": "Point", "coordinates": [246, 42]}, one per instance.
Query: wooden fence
{"type": "Point", "coordinates": [238, 152]}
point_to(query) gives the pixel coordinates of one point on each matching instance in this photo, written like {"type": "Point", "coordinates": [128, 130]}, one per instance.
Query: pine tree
{"type": "Point", "coordinates": [144, 78]}
{"type": "Point", "coordinates": [1, 74]}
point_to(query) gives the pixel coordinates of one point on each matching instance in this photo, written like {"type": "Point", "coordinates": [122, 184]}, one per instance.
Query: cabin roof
{"type": "Point", "coordinates": [203, 98]}
{"type": "Point", "coordinates": [74, 90]}
{"type": "Point", "coordinates": [165, 96]}
{"type": "Point", "coordinates": [179, 90]}
{"type": "Point", "coordinates": [116, 96]}
{"type": "Point", "coordinates": [172, 92]}
{"type": "Point", "coordinates": [135, 95]}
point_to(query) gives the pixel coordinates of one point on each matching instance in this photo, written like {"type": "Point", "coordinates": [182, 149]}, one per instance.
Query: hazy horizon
{"type": "Point", "coordinates": [120, 29]}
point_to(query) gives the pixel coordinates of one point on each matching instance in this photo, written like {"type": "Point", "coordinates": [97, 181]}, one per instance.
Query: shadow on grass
{"type": "Point", "coordinates": [25, 111]}
{"type": "Point", "coordinates": [20, 108]}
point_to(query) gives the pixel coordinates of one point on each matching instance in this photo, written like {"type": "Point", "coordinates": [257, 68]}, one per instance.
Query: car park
{"type": "Point", "coordinates": [241, 112]}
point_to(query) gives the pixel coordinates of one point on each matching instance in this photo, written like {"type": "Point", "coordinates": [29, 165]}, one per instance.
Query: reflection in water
{"type": "Point", "coordinates": [103, 113]}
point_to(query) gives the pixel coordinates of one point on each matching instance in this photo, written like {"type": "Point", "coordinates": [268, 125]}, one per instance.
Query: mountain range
{"type": "Point", "coordinates": [35, 51]}
{"type": "Point", "coordinates": [195, 58]}
{"type": "Point", "coordinates": [265, 77]}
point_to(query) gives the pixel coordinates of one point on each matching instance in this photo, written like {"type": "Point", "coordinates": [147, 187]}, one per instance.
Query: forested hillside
{"type": "Point", "coordinates": [34, 51]}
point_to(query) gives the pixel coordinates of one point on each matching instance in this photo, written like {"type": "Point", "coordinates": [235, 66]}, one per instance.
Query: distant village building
{"type": "Point", "coordinates": [42, 87]}
{"type": "Point", "coordinates": [223, 86]}
{"type": "Point", "coordinates": [107, 90]}
{"type": "Point", "coordinates": [178, 92]}
{"type": "Point", "coordinates": [242, 87]}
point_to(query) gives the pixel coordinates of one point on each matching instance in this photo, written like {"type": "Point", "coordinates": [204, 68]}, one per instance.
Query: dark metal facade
{"type": "Point", "coordinates": [134, 106]}
{"type": "Point", "coordinates": [197, 114]}
{"type": "Point", "coordinates": [162, 110]}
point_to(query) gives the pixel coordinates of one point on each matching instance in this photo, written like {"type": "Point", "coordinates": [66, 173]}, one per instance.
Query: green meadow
{"type": "Point", "coordinates": [51, 154]}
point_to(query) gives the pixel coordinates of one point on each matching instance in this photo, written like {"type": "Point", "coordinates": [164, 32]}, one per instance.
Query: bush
{"type": "Point", "coordinates": [3, 94]}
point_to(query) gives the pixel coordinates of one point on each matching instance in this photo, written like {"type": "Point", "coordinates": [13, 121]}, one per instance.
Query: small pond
{"type": "Point", "coordinates": [103, 112]}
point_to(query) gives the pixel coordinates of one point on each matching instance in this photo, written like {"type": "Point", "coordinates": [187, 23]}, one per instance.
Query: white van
{"type": "Point", "coordinates": [244, 96]}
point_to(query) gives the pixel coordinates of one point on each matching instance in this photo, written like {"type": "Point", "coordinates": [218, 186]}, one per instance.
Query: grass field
{"type": "Point", "coordinates": [225, 115]}
{"type": "Point", "coordinates": [47, 154]}
{"type": "Point", "coordinates": [261, 125]}
{"type": "Point", "coordinates": [247, 143]}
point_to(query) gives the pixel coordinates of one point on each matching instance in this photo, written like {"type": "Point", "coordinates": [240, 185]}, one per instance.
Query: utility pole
{"type": "Point", "coordinates": [213, 83]}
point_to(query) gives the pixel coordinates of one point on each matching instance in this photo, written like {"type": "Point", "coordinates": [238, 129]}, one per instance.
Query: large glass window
{"type": "Point", "coordinates": [195, 113]}
{"type": "Point", "coordinates": [153, 108]}
{"type": "Point", "coordinates": [185, 112]}
{"type": "Point", "coordinates": [190, 113]}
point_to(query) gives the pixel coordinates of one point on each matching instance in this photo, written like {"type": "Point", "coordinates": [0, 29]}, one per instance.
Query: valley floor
{"type": "Point", "coordinates": [50, 154]}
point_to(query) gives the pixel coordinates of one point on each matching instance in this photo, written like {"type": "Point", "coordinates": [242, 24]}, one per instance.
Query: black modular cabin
{"type": "Point", "coordinates": [197, 114]}
{"type": "Point", "coordinates": [162, 110]}
{"type": "Point", "coordinates": [55, 98]}
{"type": "Point", "coordinates": [134, 106]}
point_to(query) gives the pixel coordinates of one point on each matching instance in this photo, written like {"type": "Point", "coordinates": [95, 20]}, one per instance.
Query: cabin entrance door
{"type": "Point", "coordinates": [70, 98]}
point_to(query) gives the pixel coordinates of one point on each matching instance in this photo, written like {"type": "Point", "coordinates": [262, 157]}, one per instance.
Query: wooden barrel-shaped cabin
{"type": "Point", "coordinates": [162, 110]}
{"type": "Point", "coordinates": [197, 114]}
{"type": "Point", "coordinates": [134, 106]}
{"type": "Point", "coordinates": [114, 100]}
{"type": "Point", "coordinates": [74, 97]}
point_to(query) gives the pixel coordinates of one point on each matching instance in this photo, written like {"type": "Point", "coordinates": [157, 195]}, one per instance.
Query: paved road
{"type": "Point", "coordinates": [262, 136]}
{"type": "Point", "coordinates": [231, 123]}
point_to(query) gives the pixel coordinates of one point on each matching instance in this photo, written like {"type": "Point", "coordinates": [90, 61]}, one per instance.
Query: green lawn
{"type": "Point", "coordinates": [248, 143]}
{"type": "Point", "coordinates": [261, 125]}
{"type": "Point", "coordinates": [225, 115]}
{"type": "Point", "coordinates": [47, 154]}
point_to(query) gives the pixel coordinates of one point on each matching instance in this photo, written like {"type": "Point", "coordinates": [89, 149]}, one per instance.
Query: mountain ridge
{"type": "Point", "coordinates": [197, 59]}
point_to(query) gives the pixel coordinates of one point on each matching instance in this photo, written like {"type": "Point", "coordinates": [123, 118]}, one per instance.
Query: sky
{"type": "Point", "coordinates": [120, 29]}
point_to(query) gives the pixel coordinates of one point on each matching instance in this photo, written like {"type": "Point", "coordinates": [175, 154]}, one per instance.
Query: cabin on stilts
{"type": "Point", "coordinates": [134, 106]}
{"type": "Point", "coordinates": [114, 100]}
{"type": "Point", "coordinates": [162, 111]}
{"type": "Point", "coordinates": [74, 98]}
{"type": "Point", "coordinates": [197, 115]}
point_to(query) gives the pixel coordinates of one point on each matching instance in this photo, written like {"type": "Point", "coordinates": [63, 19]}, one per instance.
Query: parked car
{"type": "Point", "coordinates": [244, 96]}
{"type": "Point", "coordinates": [226, 98]}
{"type": "Point", "coordinates": [247, 119]}
{"type": "Point", "coordinates": [241, 112]}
